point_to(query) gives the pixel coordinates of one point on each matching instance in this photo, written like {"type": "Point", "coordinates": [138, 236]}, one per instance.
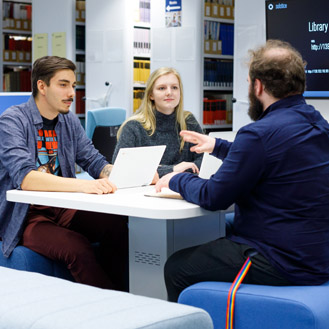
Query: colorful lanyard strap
{"type": "Point", "coordinates": [232, 292]}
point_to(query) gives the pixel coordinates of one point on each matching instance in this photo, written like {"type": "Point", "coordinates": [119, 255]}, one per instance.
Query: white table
{"type": "Point", "coordinates": [157, 227]}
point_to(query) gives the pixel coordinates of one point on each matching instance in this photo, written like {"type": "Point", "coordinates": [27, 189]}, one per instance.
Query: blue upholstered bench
{"type": "Point", "coordinates": [32, 300]}
{"type": "Point", "coordinates": [25, 259]}
{"type": "Point", "coordinates": [259, 307]}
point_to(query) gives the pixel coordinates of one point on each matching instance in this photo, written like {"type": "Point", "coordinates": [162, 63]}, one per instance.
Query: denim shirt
{"type": "Point", "coordinates": [276, 172]}
{"type": "Point", "coordinates": [19, 126]}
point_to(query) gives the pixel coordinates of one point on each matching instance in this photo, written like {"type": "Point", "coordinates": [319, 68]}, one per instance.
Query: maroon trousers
{"type": "Point", "coordinates": [67, 235]}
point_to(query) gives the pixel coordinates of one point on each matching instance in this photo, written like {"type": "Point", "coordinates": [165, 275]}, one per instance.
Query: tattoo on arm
{"type": "Point", "coordinates": [106, 171]}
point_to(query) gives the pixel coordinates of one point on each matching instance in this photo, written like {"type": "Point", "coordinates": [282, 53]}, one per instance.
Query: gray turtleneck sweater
{"type": "Point", "coordinates": [166, 133]}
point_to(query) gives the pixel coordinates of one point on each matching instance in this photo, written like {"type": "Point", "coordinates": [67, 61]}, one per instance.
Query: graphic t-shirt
{"type": "Point", "coordinates": [47, 148]}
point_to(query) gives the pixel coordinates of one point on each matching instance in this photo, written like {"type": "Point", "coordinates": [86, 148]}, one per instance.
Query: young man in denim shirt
{"type": "Point", "coordinates": [41, 141]}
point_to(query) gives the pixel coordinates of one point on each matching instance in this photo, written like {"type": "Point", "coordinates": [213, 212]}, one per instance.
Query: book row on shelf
{"type": "Point", "coordinates": [142, 11]}
{"type": "Point", "coordinates": [218, 73]}
{"type": "Point", "coordinates": [142, 42]}
{"type": "Point", "coordinates": [17, 24]}
{"type": "Point", "coordinates": [219, 9]}
{"type": "Point", "coordinates": [217, 111]}
{"type": "Point", "coordinates": [16, 16]}
{"type": "Point", "coordinates": [80, 11]}
{"type": "Point", "coordinates": [138, 96]}
{"type": "Point", "coordinates": [80, 37]}
{"type": "Point", "coordinates": [79, 101]}
{"type": "Point", "coordinates": [17, 81]}
{"type": "Point", "coordinates": [218, 38]}
{"type": "Point", "coordinates": [141, 70]}
{"type": "Point", "coordinates": [17, 48]}
{"type": "Point", "coordinates": [81, 78]}
{"type": "Point", "coordinates": [80, 73]}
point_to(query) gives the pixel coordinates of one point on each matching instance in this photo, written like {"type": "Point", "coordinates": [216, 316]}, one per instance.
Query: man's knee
{"type": "Point", "coordinates": [75, 247]}
{"type": "Point", "coordinates": [172, 265]}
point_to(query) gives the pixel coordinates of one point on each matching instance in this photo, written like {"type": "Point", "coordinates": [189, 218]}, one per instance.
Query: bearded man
{"type": "Point", "coordinates": [276, 172]}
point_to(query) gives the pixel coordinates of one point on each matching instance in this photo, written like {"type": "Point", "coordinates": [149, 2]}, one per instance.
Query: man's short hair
{"type": "Point", "coordinates": [280, 68]}
{"type": "Point", "coordinates": [44, 68]}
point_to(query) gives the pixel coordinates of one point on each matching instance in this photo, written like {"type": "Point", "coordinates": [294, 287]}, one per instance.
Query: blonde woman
{"type": "Point", "coordinates": [159, 121]}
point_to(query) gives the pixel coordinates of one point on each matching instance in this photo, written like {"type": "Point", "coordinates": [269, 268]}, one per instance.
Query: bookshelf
{"type": "Point", "coordinates": [217, 56]}
{"type": "Point", "coordinates": [141, 50]}
{"type": "Point", "coordinates": [80, 58]}
{"type": "Point", "coordinates": [15, 46]}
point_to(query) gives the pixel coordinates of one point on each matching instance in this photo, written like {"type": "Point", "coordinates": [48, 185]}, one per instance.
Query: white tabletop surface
{"type": "Point", "coordinates": [128, 202]}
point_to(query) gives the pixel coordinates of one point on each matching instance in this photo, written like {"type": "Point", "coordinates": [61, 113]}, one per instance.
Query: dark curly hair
{"type": "Point", "coordinates": [44, 68]}
{"type": "Point", "coordinates": [279, 67]}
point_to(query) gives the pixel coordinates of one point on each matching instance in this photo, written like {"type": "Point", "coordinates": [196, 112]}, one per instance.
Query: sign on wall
{"type": "Point", "coordinates": [40, 45]}
{"type": "Point", "coordinates": [58, 40]}
{"type": "Point", "coordinates": [173, 13]}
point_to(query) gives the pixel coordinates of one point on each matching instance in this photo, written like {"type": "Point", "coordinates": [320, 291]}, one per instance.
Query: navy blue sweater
{"type": "Point", "coordinates": [277, 174]}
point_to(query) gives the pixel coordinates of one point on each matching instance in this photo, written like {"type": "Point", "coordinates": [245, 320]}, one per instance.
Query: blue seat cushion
{"type": "Point", "coordinates": [259, 307]}
{"type": "Point", "coordinates": [229, 220]}
{"type": "Point", "coordinates": [25, 259]}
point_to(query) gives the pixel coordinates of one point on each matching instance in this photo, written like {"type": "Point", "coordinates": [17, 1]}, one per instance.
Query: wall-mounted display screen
{"type": "Point", "coordinates": [305, 25]}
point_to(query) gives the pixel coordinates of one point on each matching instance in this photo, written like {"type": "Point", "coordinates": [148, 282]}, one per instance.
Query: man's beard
{"type": "Point", "coordinates": [255, 105]}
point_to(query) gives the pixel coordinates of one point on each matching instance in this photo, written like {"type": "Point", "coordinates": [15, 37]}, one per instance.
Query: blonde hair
{"type": "Point", "coordinates": [146, 112]}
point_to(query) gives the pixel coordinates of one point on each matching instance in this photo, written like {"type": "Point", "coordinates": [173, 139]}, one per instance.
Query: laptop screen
{"type": "Point", "coordinates": [136, 166]}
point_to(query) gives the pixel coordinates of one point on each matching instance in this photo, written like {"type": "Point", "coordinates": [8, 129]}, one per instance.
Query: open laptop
{"type": "Point", "coordinates": [136, 166]}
